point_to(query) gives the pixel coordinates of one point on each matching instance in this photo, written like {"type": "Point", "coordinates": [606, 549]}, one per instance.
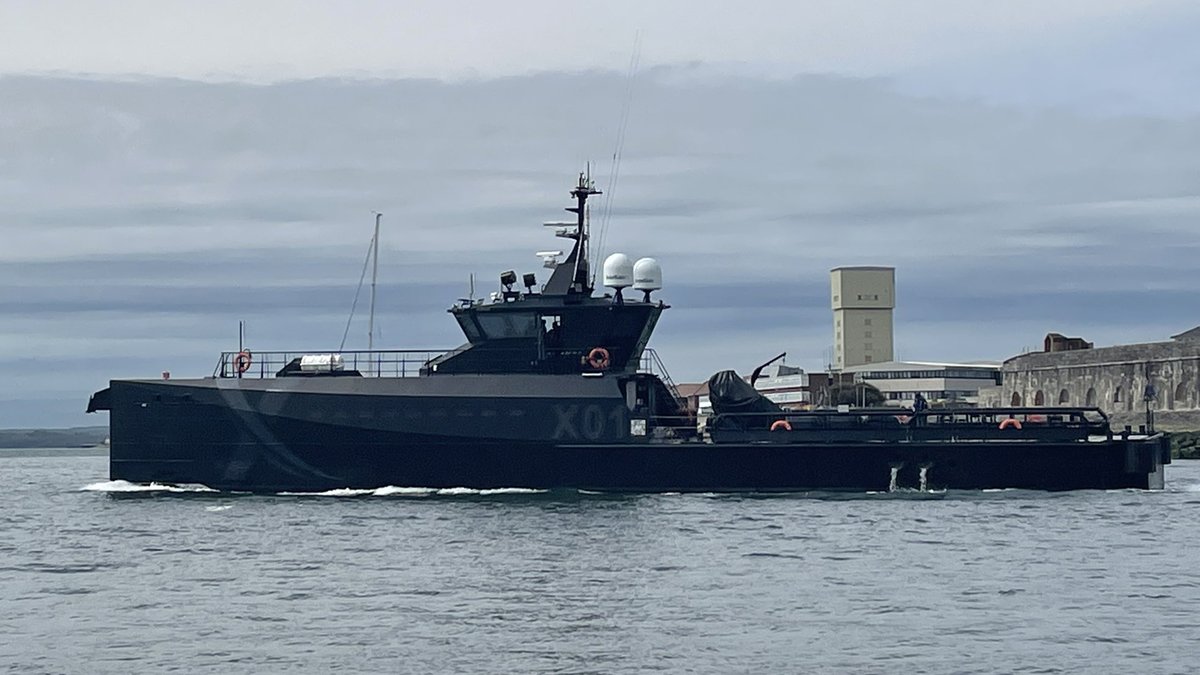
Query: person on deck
{"type": "Point", "coordinates": [919, 405]}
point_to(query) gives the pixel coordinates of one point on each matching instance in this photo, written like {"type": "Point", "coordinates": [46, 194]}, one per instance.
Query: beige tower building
{"type": "Point", "coordinates": [863, 300]}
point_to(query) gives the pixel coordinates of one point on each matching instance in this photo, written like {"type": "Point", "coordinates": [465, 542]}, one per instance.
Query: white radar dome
{"type": "Point", "coordinates": [618, 271]}
{"type": "Point", "coordinates": [647, 275]}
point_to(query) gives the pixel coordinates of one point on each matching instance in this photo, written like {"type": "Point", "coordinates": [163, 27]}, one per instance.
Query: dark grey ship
{"type": "Point", "coordinates": [557, 389]}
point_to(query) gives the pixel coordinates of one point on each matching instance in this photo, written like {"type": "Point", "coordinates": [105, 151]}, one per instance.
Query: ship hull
{"type": "Point", "coordinates": [244, 436]}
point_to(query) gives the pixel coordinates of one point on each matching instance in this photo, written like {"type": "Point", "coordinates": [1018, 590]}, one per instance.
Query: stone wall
{"type": "Point", "coordinates": [1113, 379]}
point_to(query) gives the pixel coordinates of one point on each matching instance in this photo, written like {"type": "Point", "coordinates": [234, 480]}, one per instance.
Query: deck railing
{"type": "Point", "coordinates": [654, 365]}
{"type": "Point", "coordinates": [375, 363]}
{"type": "Point", "coordinates": [1027, 423]}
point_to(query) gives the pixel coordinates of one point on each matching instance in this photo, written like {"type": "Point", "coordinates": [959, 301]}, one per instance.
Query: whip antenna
{"type": "Point", "coordinates": [614, 172]}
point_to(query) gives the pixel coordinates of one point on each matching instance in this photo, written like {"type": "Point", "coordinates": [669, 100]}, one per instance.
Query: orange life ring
{"type": "Point", "coordinates": [781, 424]}
{"type": "Point", "coordinates": [241, 362]}
{"type": "Point", "coordinates": [903, 419]}
{"type": "Point", "coordinates": [598, 358]}
{"type": "Point", "coordinates": [1010, 422]}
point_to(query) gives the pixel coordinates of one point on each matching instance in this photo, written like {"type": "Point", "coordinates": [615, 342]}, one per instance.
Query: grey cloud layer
{"type": "Point", "coordinates": [142, 219]}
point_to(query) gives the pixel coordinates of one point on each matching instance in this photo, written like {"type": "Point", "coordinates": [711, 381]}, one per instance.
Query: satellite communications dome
{"type": "Point", "coordinates": [618, 271]}
{"type": "Point", "coordinates": [647, 275]}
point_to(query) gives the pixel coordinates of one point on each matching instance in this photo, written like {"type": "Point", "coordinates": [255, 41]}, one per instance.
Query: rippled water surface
{"type": "Point", "coordinates": [109, 580]}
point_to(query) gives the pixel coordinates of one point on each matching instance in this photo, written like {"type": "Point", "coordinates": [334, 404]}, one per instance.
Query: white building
{"type": "Point", "coordinates": [785, 385]}
{"type": "Point", "coordinates": [863, 299]}
{"type": "Point", "coordinates": [900, 381]}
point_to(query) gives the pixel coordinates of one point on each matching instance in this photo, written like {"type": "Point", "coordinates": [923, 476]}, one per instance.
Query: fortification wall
{"type": "Point", "coordinates": [1113, 379]}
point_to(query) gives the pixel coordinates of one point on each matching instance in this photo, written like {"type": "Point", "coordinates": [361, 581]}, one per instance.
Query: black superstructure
{"type": "Point", "coordinates": [557, 389]}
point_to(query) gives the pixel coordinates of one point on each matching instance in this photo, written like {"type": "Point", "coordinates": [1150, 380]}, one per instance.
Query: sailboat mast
{"type": "Point", "coordinates": [374, 276]}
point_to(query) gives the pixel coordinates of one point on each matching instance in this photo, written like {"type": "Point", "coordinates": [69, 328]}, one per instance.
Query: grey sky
{"type": "Point", "coordinates": [269, 40]}
{"type": "Point", "coordinates": [1018, 180]}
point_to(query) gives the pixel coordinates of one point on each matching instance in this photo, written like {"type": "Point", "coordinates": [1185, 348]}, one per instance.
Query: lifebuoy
{"type": "Point", "coordinates": [598, 358]}
{"type": "Point", "coordinates": [1010, 422]}
{"type": "Point", "coordinates": [781, 424]}
{"type": "Point", "coordinates": [903, 419]}
{"type": "Point", "coordinates": [241, 362]}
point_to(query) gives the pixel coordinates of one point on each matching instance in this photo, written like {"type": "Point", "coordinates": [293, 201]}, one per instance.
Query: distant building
{"type": "Point", "coordinates": [1117, 379]}
{"type": "Point", "coordinates": [785, 385]}
{"type": "Point", "coordinates": [1061, 343]}
{"type": "Point", "coordinates": [692, 395]}
{"type": "Point", "coordinates": [863, 299]}
{"type": "Point", "coordinates": [901, 381]}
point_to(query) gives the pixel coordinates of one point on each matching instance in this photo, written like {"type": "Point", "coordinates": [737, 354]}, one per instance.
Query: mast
{"type": "Point", "coordinates": [571, 276]}
{"type": "Point", "coordinates": [586, 188]}
{"type": "Point", "coordinates": [374, 276]}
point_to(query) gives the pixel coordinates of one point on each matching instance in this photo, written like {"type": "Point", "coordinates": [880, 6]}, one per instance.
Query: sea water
{"type": "Point", "coordinates": [108, 577]}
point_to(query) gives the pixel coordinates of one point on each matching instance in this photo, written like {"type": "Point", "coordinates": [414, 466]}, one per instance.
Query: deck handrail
{"type": "Point", "coordinates": [380, 363]}
{"type": "Point", "coordinates": [950, 420]}
{"type": "Point", "coordinates": [651, 363]}
{"type": "Point", "coordinates": [1030, 414]}
{"type": "Point", "coordinates": [369, 363]}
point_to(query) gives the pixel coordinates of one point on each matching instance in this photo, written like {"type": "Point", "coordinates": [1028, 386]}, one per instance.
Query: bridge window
{"type": "Point", "coordinates": [552, 330]}
{"type": "Point", "coordinates": [469, 328]}
{"type": "Point", "coordinates": [1016, 400]}
{"type": "Point", "coordinates": [501, 325]}
{"type": "Point", "coordinates": [1091, 396]}
{"type": "Point", "coordinates": [1064, 397]}
{"type": "Point", "coordinates": [1039, 398]}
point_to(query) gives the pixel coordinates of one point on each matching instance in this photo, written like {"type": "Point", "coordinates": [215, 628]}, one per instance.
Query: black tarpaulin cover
{"type": "Point", "coordinates": [729, 393]}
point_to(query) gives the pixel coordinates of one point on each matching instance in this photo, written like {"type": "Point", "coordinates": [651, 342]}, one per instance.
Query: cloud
{"type": "Point", "coordinates": [278, 39]}
{"type": "Point", "coordinates": [141, 220]}
{"type": "Point", "coordinates": [1135, 63]}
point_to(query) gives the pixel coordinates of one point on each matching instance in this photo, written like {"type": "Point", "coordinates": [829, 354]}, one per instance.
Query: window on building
{"type": "Point", "coordinates": [866, 322]}
{"type": "Point", "coordinates": [867, 358]}
{"type": "Point", "coordinates": [867, 346]}
{"type": "Point", "coordinates": [867, 334]}
{"type": "Point", "coordinates": [1064, 397]}
{"type": "Point", "coordinates": [1117, 394]}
